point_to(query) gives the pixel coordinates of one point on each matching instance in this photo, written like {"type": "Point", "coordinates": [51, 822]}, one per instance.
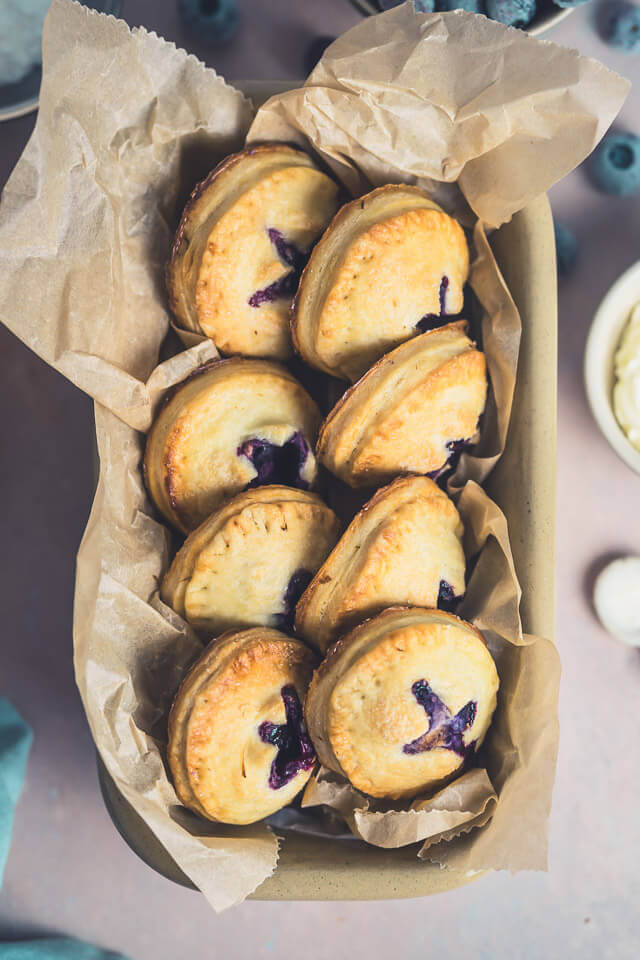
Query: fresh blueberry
{"type": "Point", "coordinates": [215, 21]}
{"type": "Point", "coordinates": [615, 165]}
{"type": "Point", "coordinates": [566, 247]}
{"type": "Point", "coordinates": [515, 13]}
{"type": "Point", "coordinates": [620, 25]}
{"type": "Point", "coordinates": [471, 6]}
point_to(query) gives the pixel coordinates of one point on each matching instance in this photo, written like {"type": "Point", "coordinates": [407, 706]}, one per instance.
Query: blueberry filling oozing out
{"type": "Point", "coordinates": [297, 586]}
{"type": "Point", "coordinates": [295, 750]}
{"type": "Point", "coordinates": [277, 464]}
{"type": "Point", "coordinates": [287, 285]}
{"type": "Point", "coordinates": [445, 730]}
{"type": "Point", "coordinates": [447, 599]}
{"type": "Point", "coordinates": [455, 448]}
{"type": "Point", "coordinates": [431, 321]}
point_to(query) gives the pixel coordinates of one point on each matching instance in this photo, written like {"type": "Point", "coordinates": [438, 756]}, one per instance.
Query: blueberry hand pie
{"type": "Point", "coordinates": [250, 561]}
{"type": "Point", "coordinates": [243, 240]}
{"type": "Point", "coordinates": [405, 546]}
{"type": "Point", "coordinates": [390, 266]}
{"type": "Point", "coordinates": [402, 701]}
{"type": "Point", "coordinates": [234, 424]}
{"type": "Point", "coordinates": [414, 410]}
{"type": "Point", "coordinates": [238, 747]}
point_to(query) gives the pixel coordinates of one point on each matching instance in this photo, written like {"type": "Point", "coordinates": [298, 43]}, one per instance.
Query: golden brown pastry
{"type": "Point", "coordinates": [415, 409]}
{"type": "Point", "coordinates": [233, 424]}
{"type": "Point", "coordinates": [250, 561]}
{"type": "Point", "coordinates": [389, 266]}
{"type": "Point", "coordinates": [238, 747]}
{"type": "Point", "coordinates": [242, 242]}
{"type": "Point", "coordinates": [402, 701]}
{"type": "Point", "coordinates": [405, 546]}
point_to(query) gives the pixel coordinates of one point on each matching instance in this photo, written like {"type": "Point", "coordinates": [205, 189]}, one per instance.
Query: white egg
{"type": "Point", "coordinates": [616, 597]}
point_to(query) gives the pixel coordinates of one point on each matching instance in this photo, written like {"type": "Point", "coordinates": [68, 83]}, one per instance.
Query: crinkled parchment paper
{"type": "Point", "coordinates": [127, 125]}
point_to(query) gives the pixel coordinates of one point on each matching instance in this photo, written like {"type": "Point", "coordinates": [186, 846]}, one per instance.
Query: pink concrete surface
{"type": "Point", "coordinates": [70, 873]}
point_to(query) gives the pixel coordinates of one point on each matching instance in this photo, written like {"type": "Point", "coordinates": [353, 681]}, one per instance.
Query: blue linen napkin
{"type": "Point", "coordinates": [55, 949]}
{"type": "Point", "coordinates": [15, 743]}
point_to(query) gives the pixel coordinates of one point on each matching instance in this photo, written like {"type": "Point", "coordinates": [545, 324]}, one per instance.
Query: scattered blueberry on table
{"type": "Point", "coordinates": [566, 247]}
{"type": "Point", "coordinates": [471, 6]}
{"type": "Point", "coordinates": [514, 13]}
{"type": "Point", "coordinates": [620, 26]}
{"type": "Point", "coordinates": [215, 21]}
{"type": "Point", "coordinates": [615, 165]}
{"type": "Point", "coordinates": [569, 3]}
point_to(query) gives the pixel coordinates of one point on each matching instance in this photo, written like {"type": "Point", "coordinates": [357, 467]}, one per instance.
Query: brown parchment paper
{"type": "Point", "coordinates": [127, 125]}
{"type": "Point", "coordinates": [517, 760]}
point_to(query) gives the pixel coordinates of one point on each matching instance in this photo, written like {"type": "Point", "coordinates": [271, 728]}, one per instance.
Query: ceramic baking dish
{"type": "Point", "coordinates": [313, 868]}
{"type": "Point", "coordinates": [523, 484]}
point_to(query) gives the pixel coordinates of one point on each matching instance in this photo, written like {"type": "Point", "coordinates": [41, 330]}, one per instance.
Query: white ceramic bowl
{"type": "Point", "coordinates": [604, 336]}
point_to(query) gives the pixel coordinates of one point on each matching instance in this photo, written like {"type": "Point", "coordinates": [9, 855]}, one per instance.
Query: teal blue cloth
{"type": "Point", "coordinates": [58, 949]}
{"type": "Point", "coordinates": [15, 743]}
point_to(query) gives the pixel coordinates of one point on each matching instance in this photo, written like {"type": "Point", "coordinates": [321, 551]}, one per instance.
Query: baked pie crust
{"type": "Point", "coordinates": [242, 242]}
{"type": "Point", "coordinates": [249, 562]}
{"type": "Point", "coordinates": [232, 424]}
{"type": "Point", "coordinates": [405, 546]}
{"type": "Point", "coordinates": [410, 412]}
{"type": "Point", "coordinates": [390, 265]}
{"type": "Point", "coordinates": [402, 701]}
{"type": "Point", "coordinates": [238, 748]}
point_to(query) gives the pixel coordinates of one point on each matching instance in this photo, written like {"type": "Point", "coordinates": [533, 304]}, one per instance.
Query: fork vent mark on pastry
{"type": "Point", "coordinates": [277, 464]}
{"type": "Point", "coordinates": [444, 730]}
{"type": "Point", "coordinates": [295, 750]}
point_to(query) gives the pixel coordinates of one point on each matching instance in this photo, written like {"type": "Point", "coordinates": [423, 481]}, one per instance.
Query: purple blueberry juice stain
{"type": "Point", "coordinates": [447, 600]}
{"type": "Point", "coordinates": [295, 750]}
{"type": "Point", "coordinates": [445, 730]}
{"type": "Point", "coordinates": [296, 587]}
{"type": "Point", "coordinates": [431, 321]}
{"type": "Point", "coordinates": [455, 448]}
{"type": "Point", "coordinates": [286, 286]}
{"type": "Point", "coordinates": [277, 464]}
